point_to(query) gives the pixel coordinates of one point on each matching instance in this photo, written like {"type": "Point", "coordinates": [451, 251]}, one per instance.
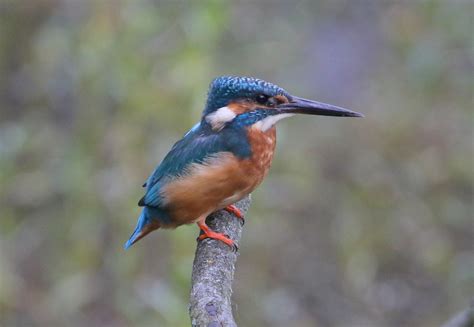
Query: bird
{"type": "Point", "coordinates": [222, 158]}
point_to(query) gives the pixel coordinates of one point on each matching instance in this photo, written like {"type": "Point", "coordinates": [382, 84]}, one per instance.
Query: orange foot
{"type": "Point", "coordinates": [209, 233]}
{"type": "Point", "coordinates": [236, 211]}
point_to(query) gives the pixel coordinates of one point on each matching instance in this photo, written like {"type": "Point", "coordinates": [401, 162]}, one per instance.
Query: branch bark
{"type": "Point", "coordinates": [213, 272]}
{"type": "Point", "coordinates": [464, 318]}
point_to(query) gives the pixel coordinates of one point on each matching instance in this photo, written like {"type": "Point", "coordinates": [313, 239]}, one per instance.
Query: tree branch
{"type": "Point", "coordinates": [213, 272]}
{"type": "Point", "coordinates": [464, 318]}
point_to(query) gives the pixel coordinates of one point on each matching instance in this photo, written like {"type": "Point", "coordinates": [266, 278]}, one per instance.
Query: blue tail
{"type": "Point", "coordinates": [145, 225]}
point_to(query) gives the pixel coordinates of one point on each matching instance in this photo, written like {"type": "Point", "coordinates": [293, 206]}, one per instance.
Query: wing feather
{"type": "Point", "coordinates": [194, 147]}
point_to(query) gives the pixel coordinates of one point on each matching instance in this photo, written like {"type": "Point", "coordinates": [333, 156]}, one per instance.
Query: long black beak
{"type": "Point", "coordinates": [310, 107]}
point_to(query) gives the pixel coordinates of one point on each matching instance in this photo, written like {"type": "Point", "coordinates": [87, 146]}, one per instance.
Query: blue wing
{"type": "Point", "coordinates": [199, 143]}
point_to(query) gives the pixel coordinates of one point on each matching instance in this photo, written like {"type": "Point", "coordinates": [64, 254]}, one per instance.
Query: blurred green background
{"type": "Point", "coordinates": [361, 222]}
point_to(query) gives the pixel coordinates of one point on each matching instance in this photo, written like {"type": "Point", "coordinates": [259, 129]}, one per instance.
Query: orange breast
{"type": "Point", "coordinates": [222, 180]}
{"type": "Point", "coordinates": [263, 147]}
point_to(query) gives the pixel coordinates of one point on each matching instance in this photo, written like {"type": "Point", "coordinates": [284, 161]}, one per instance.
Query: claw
{"type": "Point", "coordinates": [235, 248]}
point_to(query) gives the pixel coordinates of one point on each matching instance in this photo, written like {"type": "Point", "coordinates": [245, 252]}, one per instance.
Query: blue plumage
{"type": "Point", "coordinates": [251, 117]}
{"type": "Point", "coordinates": [143, 220]}
{"type": "Point", "coordinates": [146, 218]}
{"type": "Point", "coordinates": [226, 88]}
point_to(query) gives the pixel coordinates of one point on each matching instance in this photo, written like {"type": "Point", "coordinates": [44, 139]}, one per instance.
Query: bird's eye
{"type": "Point", "coordinates": [262, 98]}
{"type": "Point", "coordinates": [272, 102]}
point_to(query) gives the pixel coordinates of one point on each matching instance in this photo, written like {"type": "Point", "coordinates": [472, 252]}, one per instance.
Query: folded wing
{"type": "Point", "coordinates": [194, 148]}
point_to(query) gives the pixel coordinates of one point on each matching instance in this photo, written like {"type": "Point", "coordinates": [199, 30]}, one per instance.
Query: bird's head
{"type": "Point", "coordinates": [245, 101]}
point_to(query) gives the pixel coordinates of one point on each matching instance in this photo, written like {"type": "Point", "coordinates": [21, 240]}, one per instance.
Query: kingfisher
{"type": "Point", "coordinates": [223, 158]}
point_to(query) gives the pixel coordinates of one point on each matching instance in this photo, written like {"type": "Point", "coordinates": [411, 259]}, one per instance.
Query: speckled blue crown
{"type": "Point", "coordinates": [225, 88]}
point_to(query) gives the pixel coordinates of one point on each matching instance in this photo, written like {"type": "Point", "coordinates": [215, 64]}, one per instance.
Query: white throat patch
{"type": "Point", "coordinates": [267, 123]}
{"type": "Point", "coordinates": [220, 117]}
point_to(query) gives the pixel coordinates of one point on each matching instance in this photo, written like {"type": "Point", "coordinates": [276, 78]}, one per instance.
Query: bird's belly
{"type": "Point", "coordinates": [206, 188]}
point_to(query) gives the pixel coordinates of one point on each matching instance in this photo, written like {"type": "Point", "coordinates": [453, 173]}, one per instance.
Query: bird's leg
{"type": "Point", "coordinates": [206, 232]}
{"type": "Point", "coordinates": [236, 211]}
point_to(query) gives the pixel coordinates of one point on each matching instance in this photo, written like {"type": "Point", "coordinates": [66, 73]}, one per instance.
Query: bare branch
{"type": "Point", "coordinates": [464, 318]}
{"type": "Point", "coordinates": [213, 272]}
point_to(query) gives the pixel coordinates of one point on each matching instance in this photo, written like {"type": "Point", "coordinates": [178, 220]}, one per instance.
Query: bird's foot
{"type": "Point", "coordinates": [206, 232]}
{"type": "Point", "coordinates": [236, 211]}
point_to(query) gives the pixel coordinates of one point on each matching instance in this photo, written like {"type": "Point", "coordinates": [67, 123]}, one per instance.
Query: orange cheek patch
{"type": "Point", "coordinates": [241, 107]}
{"type": "Point", "coordinates": [281, 99]}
